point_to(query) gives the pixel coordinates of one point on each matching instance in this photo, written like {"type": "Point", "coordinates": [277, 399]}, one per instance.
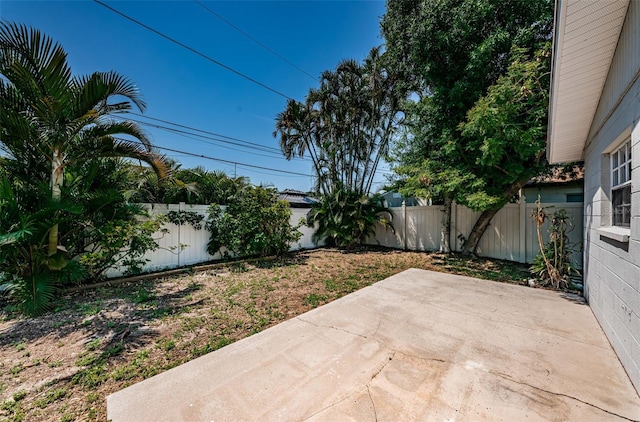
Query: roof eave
{"type": "Point", "coordinates": [569, 124]}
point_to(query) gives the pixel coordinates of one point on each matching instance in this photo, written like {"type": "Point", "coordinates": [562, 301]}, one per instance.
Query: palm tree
{"type": "Point", "coordinates": [52, 119]}
{"type": "Point", "coordinates": [299, 129]}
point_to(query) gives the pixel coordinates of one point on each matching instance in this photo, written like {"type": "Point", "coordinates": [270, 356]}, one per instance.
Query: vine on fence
{"type": "Point", "coordinates": [180, 218]}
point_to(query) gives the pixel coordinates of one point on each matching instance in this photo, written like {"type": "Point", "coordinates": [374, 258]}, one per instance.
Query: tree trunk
{"type": "Point", "coordinates": [445, 232]}
{"type": "Point", "coordinates": [471, 244]}
{"type": "Point", "coordinates": [56, 194]}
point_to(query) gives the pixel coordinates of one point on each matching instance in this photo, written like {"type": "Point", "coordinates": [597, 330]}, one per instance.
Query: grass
{"type": "Point", "coordinates": [113, 337]}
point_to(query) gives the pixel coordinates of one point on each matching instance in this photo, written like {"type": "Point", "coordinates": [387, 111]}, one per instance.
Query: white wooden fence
{"type": "Point", "coordinates": [511, 235]}
{"type": "Point", "coordinates": [183, 245]}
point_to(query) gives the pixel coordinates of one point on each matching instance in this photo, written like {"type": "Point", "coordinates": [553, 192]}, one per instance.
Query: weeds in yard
{"type": "Point", "coordinates": [142, 296]}
{"type": "Point", "coordinates": [51, 396]}
{"type": "Point", "coordinates": [16, 369]}
{"type": "Point", "coordinates": [314, 299]}
{"type": "Point", "coordinates": [213, 344]}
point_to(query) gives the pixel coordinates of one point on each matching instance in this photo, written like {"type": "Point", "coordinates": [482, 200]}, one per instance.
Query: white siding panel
{"type": "Point", "coordinates": [624, 66]}
{"type": "Point", "coordinates": [612, 270]}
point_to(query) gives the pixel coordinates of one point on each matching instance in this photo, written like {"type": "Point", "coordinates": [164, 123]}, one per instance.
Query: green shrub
{"type": "Point", "coordinates": [254, 223]}
{"type": "Point", "coordinates": [345, 218]}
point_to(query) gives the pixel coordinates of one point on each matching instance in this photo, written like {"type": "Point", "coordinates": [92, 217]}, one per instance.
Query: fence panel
{"type": "Point", "coordinates": [462, 221]}
{"type": "Point", "coordinates": [305, 241]}
{"type": "Point", "coordinates": [183, 245]}
{"type": "Point", "coordinates": [505, 238]}
{"type": "Point", "coordinates": [423, 228]}
{"type": "Point", "coordinates": [416, 228]}
{"type": "Point", "coordinates": [388, 237]}
{"type": "Point", "coordinates": [502, 238]}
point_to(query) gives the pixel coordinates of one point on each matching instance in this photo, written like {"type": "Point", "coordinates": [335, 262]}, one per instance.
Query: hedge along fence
{"type": "Point", "coordinates": [511, 235]}
{"type": "Point", "coordinates": [181, 245]}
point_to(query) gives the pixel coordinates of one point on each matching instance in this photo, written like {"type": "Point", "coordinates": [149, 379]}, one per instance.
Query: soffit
{"type": "Point", "coordinates": [585, 40]}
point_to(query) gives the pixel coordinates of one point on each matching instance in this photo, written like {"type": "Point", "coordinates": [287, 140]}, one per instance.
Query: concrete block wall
{"type": "Point", "coordinates": [612, 268]}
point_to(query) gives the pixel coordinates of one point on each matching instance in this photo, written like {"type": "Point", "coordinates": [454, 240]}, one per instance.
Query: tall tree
{"type": "Point", "coordinates": [60, 170]}
{"type": "Point", "coordinates": [345, 125]}
{"type": "Point", "coordinates": [507, 129]}
{"type": "Point", "coordinates": [53, 119]}
{"type": "Point", "coordinates": [454, 51]}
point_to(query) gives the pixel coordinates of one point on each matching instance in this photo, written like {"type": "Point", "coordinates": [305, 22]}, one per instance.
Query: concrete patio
{"type": "Point", "coordinates": [420, 345]}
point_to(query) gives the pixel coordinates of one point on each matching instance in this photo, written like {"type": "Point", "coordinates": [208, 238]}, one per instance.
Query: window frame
{"type": "Point", "coordinates": [620, 161]}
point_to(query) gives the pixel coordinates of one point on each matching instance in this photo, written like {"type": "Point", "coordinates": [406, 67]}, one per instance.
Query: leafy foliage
{"type": "Point", "coordinates": [345, 218]}
{"type": "Point", "coordinates": [28, 274]}
{"type": "Point", "coordinates": [255, 223]}
{"type": "Point", "coordinates": [345, 125]}
{"type": "Point", "coordinates": [480, 72]}
{"type": "Point", "coordinates": [506, 130]}
{"type": "Point", "coordinates": [554, 265]}
{"type": "Point", "coordinates": [192, 186]}
{"type": "Point", "coordinates": [62, 180]}
{"type": "Point", "coordinates": [122, 242]}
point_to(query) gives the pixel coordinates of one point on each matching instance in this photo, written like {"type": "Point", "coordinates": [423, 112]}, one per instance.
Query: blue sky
{"type": "Point", "coordinates": [181, 87]}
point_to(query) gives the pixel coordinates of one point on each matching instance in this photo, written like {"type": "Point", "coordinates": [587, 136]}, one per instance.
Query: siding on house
{"type": "Point", "coordinates": [612, 269]}
{"type": "Point", "coordinates": [556, 194]}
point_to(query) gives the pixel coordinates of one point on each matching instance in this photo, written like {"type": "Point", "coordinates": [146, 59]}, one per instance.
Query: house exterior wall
{"type": "Point", "coordinates": [556, 194]}
{"type": "Point", "coordinates": [611, 267]}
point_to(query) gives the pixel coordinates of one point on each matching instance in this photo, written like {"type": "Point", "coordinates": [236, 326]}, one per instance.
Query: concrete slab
{"type": "Point", "coordinates": [420, 345]}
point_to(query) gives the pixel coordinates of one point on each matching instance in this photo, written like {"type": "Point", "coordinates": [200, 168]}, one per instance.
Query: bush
{"type": "Point", "coordinates": [28, 274]}
{"type": "Point", "coordinates": [345, 218]}
{"type": "Point", "coordinates": [98, 230]}
{"type": "Point", "coordinates": [254, 223]}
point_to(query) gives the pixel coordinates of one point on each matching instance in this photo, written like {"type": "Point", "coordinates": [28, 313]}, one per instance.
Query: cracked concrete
{"type": "Point", "coordinates": [417, 346]}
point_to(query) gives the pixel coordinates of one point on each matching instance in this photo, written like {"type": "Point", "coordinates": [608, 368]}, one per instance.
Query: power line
{"type": "Point", "coordinates": [264, 147]}
{"type": "Point", "coordinates": [275, 153]}
{"type": "Point", "coordinates": [193, 50]}
{"type": "Point", "coordinates": [204, 131]}
{"type": "Point", "coordinates": [234, 149]}
{"type": "Point", "coordinates": [221, 160]}
{"type": "Point", "coordinates": [275, 53]}
{"type": "Point", "coordinates": [193, 136]}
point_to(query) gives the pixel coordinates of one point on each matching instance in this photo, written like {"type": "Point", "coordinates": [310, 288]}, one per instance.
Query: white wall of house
{"type": "Point", "coordinates": [612, 267]}
{"type": "Point", "coordinates": [558, 193]}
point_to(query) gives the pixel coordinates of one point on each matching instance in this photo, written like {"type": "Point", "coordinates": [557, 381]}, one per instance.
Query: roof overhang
{"type": "Point", "coordinates": [585, 38]}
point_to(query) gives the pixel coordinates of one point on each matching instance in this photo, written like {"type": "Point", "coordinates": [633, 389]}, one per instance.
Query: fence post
{"type": "Point", "coordinates": [180, 208]}
{"type": "Point", "coordinates": [523, 226]}
{"type": "Point", "coordinates": [453, 239]}
{"type": "Point", "coordinates": [404, 222]}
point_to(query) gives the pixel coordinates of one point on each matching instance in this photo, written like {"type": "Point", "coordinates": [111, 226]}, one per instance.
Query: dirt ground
{"type": "Point", "coordinates": [62, 365]}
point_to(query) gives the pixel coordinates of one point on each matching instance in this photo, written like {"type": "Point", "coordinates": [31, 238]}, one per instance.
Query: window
{"type": "Point", "coordinates": [621, 185]}
{"type": "Point", "coordinates": [575, 197]}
